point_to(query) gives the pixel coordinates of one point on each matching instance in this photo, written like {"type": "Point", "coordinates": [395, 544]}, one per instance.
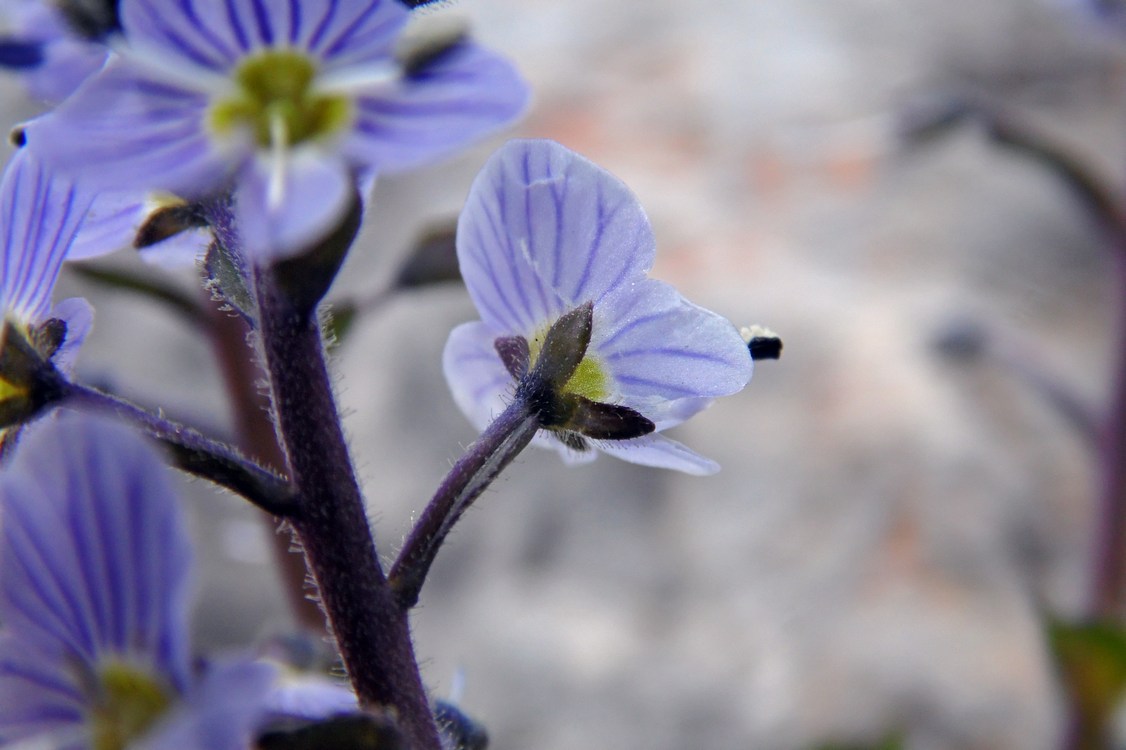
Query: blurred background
{"type": "Point", "coordinates": [889, 521]}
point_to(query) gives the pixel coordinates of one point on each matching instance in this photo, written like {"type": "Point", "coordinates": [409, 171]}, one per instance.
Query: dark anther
{"type": "Point", "coordinates": [514, 353]}
{"type": "Point", "coordinates": [20, 55]}
{"type": "Point", "coordinates": [168, 221]}
{"type": "Point", "coordinates": [48, 337]}
{"type": "Point", "coordinates": [765, 347]}
{"type": "Point", "coordinates": [17, 136]}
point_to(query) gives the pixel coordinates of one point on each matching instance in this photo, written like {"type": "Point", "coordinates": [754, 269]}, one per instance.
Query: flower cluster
{"type": "Point", "coordinates": [251, 130]}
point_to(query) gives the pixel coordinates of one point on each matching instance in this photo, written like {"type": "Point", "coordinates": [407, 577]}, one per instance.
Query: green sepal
{"type": "Point", "coordinates": [28, 380]}
{"type": "Point", "coordinates": [226, 281]}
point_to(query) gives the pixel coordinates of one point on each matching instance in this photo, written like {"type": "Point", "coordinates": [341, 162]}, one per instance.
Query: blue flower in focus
{"type": "Point", "coordinates": [544, 232]}
{"type": "Point", "coordinates": [40, 214]}
{"type": "Point", "coordinates": [94, 581]}
{"type": "Point", "coordinates": [281, 101]}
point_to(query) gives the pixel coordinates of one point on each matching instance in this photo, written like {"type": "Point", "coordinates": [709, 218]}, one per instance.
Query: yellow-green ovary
{"type": "Point", "coordinates": [590, 379]}
{"type": "Point", "coordinates": [127, 702]}
{"type": "Point", "coordinates": [276, 88]}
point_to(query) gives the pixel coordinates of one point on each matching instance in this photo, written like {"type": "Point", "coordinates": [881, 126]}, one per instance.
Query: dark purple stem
{"type": "Point", "coordinates": [371, 630]}
{"type": "Point", "coordinates": [194, 453]}
{"type": "Point", "coordinates": [1108, 573]}
{"type": "Point", "coordinates": [489, 454]}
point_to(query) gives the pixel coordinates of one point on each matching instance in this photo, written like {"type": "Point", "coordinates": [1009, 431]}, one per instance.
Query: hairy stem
{"type": "Point", "coordinates": [371, 630]}
{"type": "Point", "coordinates": [502, 440]}
{"type": "Point", "coordinates": [194, 453]}
{"type": "Point", "coordinates": [256, 436]}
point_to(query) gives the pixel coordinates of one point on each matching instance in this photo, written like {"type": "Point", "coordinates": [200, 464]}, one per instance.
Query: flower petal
{"type": "Point", "coordinates": [543, 230]}
{"type": "Point", "coordinates": [39, 216]}
{"type": "Point", "coordinates": [79, 318]}
{"type": "Point", "coordinates": [660, 349]}
{"type": "Point", "coordinates": [130, 129]}
{"type": "Point", "coordinates": [183, 32]}
{"type": "Point", "coordinates": [37, 698]}
{"type": "Point", "coordinates": [660, 452]}
{"type": "Point", "coordinates": [348, 32]}
{"type": "Point", "coordinates": [313, 197]}
{"type": "Point", "coordinates": [94, 556]}
{"type": "Point", "coordinates": [222, 711]}
{"type": "Point", "coordinates": [475, 373]}
{"type": "Point", "coordinates": [463, 96]}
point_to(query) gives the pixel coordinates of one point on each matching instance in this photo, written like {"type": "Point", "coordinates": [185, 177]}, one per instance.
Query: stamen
{"type": "Point", "coordinates": [279, 151]}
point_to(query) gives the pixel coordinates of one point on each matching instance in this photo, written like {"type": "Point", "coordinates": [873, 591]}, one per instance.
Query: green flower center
{"type": "Point", "coordinates": [127, 703]}
{"type": "Point", "coordinates": [590, 379]}
{"type": "Point", "coordinates": [276, 100]}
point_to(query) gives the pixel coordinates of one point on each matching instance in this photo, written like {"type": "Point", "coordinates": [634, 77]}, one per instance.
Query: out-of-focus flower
{"type": "Point", "coordinates": [53, 54]}
{"type": "Point", "coordinates": [546, 232]}
{"type": "Point", "coordinates": [283, 101]}
{"type": "Point", "coordinates": [94, 582]}
{"type": "Point", "coordinates": [39, 216]}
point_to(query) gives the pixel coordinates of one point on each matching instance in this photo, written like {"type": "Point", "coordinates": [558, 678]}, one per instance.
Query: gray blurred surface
{"type": "Point", "coordinates": [886, 523]}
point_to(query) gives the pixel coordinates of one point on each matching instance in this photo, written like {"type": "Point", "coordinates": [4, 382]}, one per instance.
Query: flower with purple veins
{"type": "Point", "coordinates": [94, 581]}
{"type": "Point", "coordinates": [281, 101]}
{"type": "Point", "coordinates": [40, 213]}
{"type": "Point", "coordinates": [550, 243]}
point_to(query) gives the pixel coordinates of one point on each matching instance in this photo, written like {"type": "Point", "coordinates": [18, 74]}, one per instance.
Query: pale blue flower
{"type": "Point", "coordinates": [545, 231]}
{"type": "Point", "coordinates": [281, 101]}
{"type": "Point", "coordinates": [95, 575]}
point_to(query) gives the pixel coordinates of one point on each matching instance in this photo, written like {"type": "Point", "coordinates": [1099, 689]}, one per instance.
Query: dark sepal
{"type": "Point", "coordinates": [168, 221]}
{"type": "Point", "coordinates": [458, 730]}
{"type": "Point", "coordinates": [572, 440]}
{"type": "Point", "coordinates": [607, 421]}
{"type": "Point", "coordinates": [306, 278]}
{"type": "Point", "coordinates": [226, 280]}
{"type": "Point", "coordinates": [418, 52]}
{"type": "Point", "coordinates": [28, 380]}
{"type": "Point", "coordinates": [515, 355]}
{"type": "Point", "coordinates": [344, 732]}
{"type": "Point", "coordinates": [433, 259]}
{"type": "Point", "coordinates": [91, 19]}
{"type": "Point", "coordinates": [564, 347]}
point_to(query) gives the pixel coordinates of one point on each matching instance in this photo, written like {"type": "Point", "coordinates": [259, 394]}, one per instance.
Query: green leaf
{"type": "Point", "coordinates": [1091, 657]}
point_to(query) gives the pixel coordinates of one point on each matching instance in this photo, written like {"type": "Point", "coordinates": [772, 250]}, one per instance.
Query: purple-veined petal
{"type": "Point", "coordinates": [39, 216]}
{"type": "Point", "coordinates": [112, 222]}
{"type": "Point", "coordinates": [79, 318]}
{"type": "Point", "coordinates": [221, 713]}
{"type": "Point", "coordinates": [460, 98]}
{"type": "Point", "coordinates": [94, 556]}
{"type": "Point", "coordinates": [475, 373]}
{"type": "Point", "coordinates": [310, 697]}
{"type": "Point", "coordinates": [660, 348]}
{"type": "Point", "coordinates": [350, 32]}
{"type": "Point", "coordinates": [38, 699]}
{"type": "Point", "coordinates": [128, 129]}
{"type": "Point", "coordinates": [278, 219]}
{"type": "Point", "coordinates": [196, 33]}
{"type": "Point", "coordinates": [544, 229]}
{"type": "Point", "coordinates": [660, 452]}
